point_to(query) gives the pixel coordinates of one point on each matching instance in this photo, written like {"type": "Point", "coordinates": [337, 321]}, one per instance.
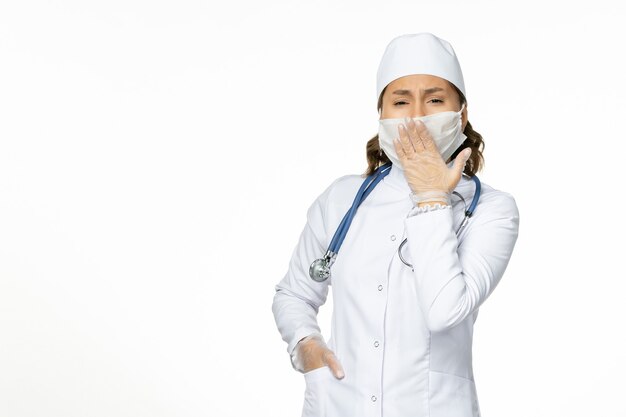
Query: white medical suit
{"type": "Point", "coordinates": [403, 337]}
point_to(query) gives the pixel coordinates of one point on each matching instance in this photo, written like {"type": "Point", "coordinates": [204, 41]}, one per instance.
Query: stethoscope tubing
{"type": "Point", "coordinates": [320, 268]}
{"type": "Point", "coordinates": [468, 213]}
{"type": "Point", "coordinates": [365, 190]}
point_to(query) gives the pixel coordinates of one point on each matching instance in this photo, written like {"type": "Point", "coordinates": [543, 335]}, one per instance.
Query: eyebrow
{"type": "Point", "coordinates": [426, 91]}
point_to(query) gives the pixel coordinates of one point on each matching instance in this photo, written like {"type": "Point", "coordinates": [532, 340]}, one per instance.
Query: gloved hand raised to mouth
{"type": "Point", "coordinates": [312, 353]}
{"type": "Point", "coordinates": [425, 170]}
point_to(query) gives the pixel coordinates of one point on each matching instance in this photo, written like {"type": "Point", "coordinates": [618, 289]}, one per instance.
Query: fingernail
{"type": "Point", "coordinates": [340, 374]}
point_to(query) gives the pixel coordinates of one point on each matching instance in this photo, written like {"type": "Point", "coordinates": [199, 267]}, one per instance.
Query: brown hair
{"type": "Point", "coordinates": [376, 157]}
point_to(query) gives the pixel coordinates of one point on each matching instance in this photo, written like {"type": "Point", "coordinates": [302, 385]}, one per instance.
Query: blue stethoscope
{"type": "Point", "coordinates": [320, 268]}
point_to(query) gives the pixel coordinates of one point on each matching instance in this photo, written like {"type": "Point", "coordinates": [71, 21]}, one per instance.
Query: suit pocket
{"type": "Point", "coordinates": [315, 393]}
{"type": "Point", "coordinates": [452, 395]}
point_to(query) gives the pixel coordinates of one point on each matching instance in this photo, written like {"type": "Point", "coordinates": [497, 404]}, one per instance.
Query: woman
{"type": "Point", "coordinates": [402, 324]}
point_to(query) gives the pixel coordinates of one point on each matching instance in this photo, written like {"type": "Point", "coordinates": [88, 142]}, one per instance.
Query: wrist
{"type": "Point", "coordinates": [432, 203]}
{"type": "Point", "coordinates": [431, 197]}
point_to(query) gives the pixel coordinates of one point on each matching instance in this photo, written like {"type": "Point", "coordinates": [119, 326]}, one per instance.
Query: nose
{"type": "Point", "coordinates": [417, 110]}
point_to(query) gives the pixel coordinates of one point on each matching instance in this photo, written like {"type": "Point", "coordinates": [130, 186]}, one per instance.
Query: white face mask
{"type": "Point", "coordinates": [444, 128]}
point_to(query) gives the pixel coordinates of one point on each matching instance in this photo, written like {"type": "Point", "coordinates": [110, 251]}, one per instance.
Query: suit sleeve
{"type": "Point", "coordinates": [454, 280]}
{"type": "Point", "coordinates": [298, 297]}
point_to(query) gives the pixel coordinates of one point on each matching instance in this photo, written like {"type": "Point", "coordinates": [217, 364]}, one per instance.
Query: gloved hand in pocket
{"type": "Point", "coordinates": [311, 353]}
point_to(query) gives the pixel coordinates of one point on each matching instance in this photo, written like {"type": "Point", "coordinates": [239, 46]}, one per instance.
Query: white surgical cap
{"type": "Point", "coordinates": [418, 53]}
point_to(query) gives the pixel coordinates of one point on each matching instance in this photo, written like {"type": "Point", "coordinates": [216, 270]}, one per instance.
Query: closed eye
{"type": "Point", "coordinates": [400, 103]}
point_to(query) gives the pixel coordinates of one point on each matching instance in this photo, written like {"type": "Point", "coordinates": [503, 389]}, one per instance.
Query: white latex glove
{"type": "Point", "coordinates": [311, 353]}
{"type": "Point", "coordinates": [425, 170]}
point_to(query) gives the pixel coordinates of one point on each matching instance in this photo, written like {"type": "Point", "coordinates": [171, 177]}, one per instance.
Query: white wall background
{"type": "Point", "coordinates": [157, 159]}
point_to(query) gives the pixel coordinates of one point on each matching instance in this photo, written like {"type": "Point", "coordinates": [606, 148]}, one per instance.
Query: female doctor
{"type": "Point", "coordinates": [413, 267]}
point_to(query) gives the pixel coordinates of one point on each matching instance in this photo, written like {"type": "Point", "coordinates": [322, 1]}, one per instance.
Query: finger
{"type": "Point", "coordinates": [399, 151]}
{"type": "Point", "coordinates": [461, 159]}
{"type": "Point", "coordinates": [409, 150]}
{"type": "Point", "coordinates": [334, 365]}
{"type": "Point", "coordinates": [424, 134]}
{"type": "Point", "coordinates": [414, 134]}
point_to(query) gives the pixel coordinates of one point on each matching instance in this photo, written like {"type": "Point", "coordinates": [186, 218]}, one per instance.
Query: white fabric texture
{"type": "Point", "coordinates": [403, 337]}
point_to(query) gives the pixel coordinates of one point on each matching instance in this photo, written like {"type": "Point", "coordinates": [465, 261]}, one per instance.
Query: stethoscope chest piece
{"type": "Point", "coordinates": [320, 268]}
